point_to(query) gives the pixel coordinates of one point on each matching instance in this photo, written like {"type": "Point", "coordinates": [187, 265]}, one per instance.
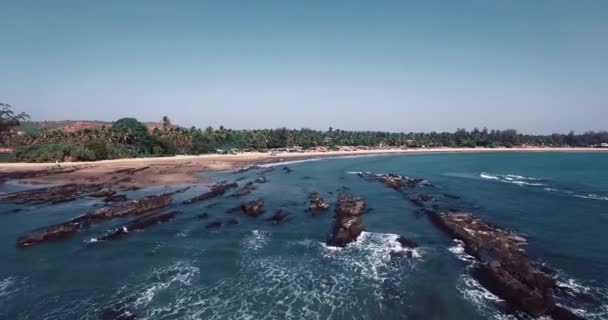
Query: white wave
{"type": "Point", "coordinates": [513, 178]}
{"type": "Point", "coordinates": [487, 176]}
{"type": "Point", "coordinates": [592, 196]}
{"type": "Point", "coordinates": [180, 273]}
{"type": "Point", "coordinates": [370, 254]}
{"type": "Point", "coordinates": [459, 252]}
{"type": "Point", "coordinates": [256, 240]}
{"type": "Point", "coordinates": [11, 285]}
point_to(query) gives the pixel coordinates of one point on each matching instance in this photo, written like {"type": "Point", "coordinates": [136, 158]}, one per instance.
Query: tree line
{"type": "Point", "coordinates": [128, 137]}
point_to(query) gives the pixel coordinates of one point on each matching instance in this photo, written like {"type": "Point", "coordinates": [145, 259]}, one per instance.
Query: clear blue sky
{"type": "Point", "coordinates": [537, 66]}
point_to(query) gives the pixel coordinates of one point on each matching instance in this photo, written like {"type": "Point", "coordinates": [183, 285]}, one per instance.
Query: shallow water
{"type": "Point", "coordinates": [255, 270]}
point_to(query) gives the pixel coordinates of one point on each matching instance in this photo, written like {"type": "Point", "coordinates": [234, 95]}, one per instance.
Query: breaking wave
{"type": "Point", "coordinates": [538, 183]}
{"type": "Point", "coordinates": [514, 179]}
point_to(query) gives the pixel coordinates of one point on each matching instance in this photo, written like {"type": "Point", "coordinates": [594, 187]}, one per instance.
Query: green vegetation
{"type": "Point", "coordinates": [127, 138]}
{"type": "Point", "coordinates": [8, 121]}
{"type": "Point", "coordinates": [52, 152]}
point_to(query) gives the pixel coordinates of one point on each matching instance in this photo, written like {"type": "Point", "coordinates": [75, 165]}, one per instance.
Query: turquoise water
{"type": "Point", "coordinates": [255, 270]}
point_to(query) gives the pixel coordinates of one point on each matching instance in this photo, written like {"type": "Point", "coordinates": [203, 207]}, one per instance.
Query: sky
{"type": "Point", "coordinates": [535, 66]}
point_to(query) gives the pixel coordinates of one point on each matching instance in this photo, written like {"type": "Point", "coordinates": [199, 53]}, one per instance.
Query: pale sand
{"type": "Point", "coordinates": [185, 169]}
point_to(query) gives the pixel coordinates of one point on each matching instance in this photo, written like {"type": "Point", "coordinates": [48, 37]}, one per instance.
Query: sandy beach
{"type": "Point", "coordinates": [140, 172]}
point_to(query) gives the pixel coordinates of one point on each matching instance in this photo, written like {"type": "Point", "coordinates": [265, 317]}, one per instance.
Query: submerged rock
{"type": "Point", "coordinates": [347, 225]}
{"type": "Point", "coordinates": [287, 169]}
{"type": "Point", "coordinates": [503, 268]}
{"type": "Point", "coordinates": [116, 198]}
{"type": "Point", "coordinates": [245, 190]}
{"type": "Point", "coordinates": [219, 223]}
{"type": "Point", "coordinates": [69, 228]}
{"type": "Point", "coordinates": [139, 224]}
{"type": "Point", "coordinates": [203, 216]}
{"type": "Point", "coordinates": [278, 217]}
{"type": "Point", "coordinates": [57, 194]}
{"type": "Point", "coordinates": [317, 203]}
{"type": "Point", "coordinates": [253, 208]}
{"type": "Point", "coordinates": [261, 179]}
{"type": "Point", "coordinates": [420, 199]}
{"type": "Point", "coordinates": [407, 243]}
{"type": "Point", "coordinates": [214, 225]}
{"type": "Point", "coordinates": [397, 182]}
{"type": "Point", "coordinates": [214, 191]}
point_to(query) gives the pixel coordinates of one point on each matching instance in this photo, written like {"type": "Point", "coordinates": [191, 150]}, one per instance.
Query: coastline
{"type": "Point", "coordinates": [155, 171]}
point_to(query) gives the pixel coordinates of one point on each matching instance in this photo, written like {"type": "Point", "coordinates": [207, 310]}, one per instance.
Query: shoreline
{"type": "Point", "coordinates": [158, 171]}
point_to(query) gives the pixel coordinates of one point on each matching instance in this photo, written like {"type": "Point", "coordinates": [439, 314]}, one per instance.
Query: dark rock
{"type": "Point", "coordinates": [139, 224]}
{"type": "Point", "coordinates": [253, 208]}
{"type": "Point", "coordinates": [278, 217]}
{"type": "Point", "coordinates": [118, 311]}
{"type": "Point", "coordinates": [69, 228]}
{"type": "Point", "coordinates": [231, 222]}
{"type": "Point", "coordinates": [287, 170]}
{"type": "Point", "coordinates": [214, 225]}
{"type": "Point", "coordinates": [261, 179]}
{"type": "Point", "coordinates": [116, 198]}
{"type": "Point", "coordinates": [245, 190]}
{"type": "Point", "coordinates": [394, 181]}
{"type": "Point", "coordinates": [29, 174]}
{"type": "Point", "coordinates": [451, 196]}
{"type": "Point", "coordinates": [203, 216]}
{"type": "Point", "coordinates": [104, 193]}
{"type": "Point", "coordinates": [398, 182]}
{"type": "Point", "coordinates": [503, 268]}
{"type": "Point", "coordinates": [347, 225]}
{"type": "Point", "coordinates": [317, 203]}
{"type": "Point", "coordinates": [420, 199]}
{"type": "Point", "coordinates": [214, 191]}
{"type": "Point", "coordinates": [407, 243]}
{"type": "Point", "coordinates": [131, 171]}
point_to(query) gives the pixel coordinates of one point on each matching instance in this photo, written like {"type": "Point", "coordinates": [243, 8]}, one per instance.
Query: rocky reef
{"type": "Point", "coordinates": [252, 208]}
{"type": "Point", "coordinates": [139, 224]}
{"type": "Point", "coordinates": [57, 194]}
{"type": "Point", "coordinates": [278, 217]}
{"type": "Point", "coordinates": [317, 203]}
{"type": "Point", "coordinates": [503, 266]}
{"type": "Point", "coordinates": [214, 191]}
{"type": "Point", "coordinates": [69, 228]}
{"type": "Point", "coordinates": [420, 199]}
{"type": "Point", "coordinates": [347, 225]}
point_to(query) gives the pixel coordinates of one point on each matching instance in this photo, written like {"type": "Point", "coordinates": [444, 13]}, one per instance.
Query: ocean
{"type": "Point", "coordinates": [259, 270]}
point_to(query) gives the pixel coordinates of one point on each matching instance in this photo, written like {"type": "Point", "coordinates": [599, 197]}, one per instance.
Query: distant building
{"type": "Point", "coordinates": [6, 150]}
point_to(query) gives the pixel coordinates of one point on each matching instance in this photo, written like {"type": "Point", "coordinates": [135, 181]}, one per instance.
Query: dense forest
{"type": "Point", "coordinates": [128, 137]}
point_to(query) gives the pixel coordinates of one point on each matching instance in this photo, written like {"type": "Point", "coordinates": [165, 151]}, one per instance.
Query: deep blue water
{"type": "Point", "coordinates": [254, 270]}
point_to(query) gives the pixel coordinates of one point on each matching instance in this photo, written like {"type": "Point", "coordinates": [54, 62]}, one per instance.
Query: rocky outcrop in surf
{"type": "Point", "coordinates": [420, 199]}
{"type": "Point", "coordinates": [69, 228]}
{"type": "Point", "coordinates": [139, 224]}
{"type": "Point", "coordinates": [503, 266]}
{"type": "Point", "coordinates": [278, 217]}
{"type": "Point", "coordinates": [245, 190]}
{"type": "Point", "coordinates": [347, 225]}
{"type": "Point", "coordinates": [317, 203]}
{"type": "Point", "coordinates": [252, 208]}
{"type": "Point", "coordinates": [391, 180]}
{"type": "Point", "coordinates": [214, 191]}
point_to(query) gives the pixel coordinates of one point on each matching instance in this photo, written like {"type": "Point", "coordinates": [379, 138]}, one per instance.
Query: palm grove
{"type": "Point", "coordinates": [128, 137]}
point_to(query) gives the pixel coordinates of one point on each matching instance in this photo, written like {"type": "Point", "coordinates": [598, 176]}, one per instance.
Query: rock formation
{"type": "Point", "coordinates": [503, 266]}
{"type": "Point", "coordinates": [347, 225]}
{"type": "Point", "coordinates": [214, 191]}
